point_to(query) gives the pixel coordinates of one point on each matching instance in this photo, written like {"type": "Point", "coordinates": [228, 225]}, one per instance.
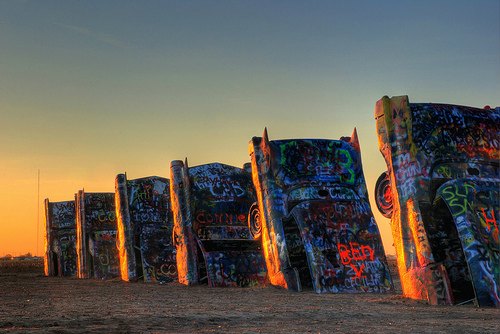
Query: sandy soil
{"type": "Point", "coordinates": [31, 303]}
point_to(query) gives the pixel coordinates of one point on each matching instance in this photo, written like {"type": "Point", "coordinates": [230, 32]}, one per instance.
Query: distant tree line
{"type": "Point", "coordinates": [10, 257]}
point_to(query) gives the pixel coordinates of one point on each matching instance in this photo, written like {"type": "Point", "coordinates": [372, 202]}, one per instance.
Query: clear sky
{"type": "Point", "coordinates": [89, 89]}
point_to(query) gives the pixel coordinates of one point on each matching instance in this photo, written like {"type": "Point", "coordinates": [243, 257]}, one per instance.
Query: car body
{"type": "Point", "coordinates": [314, 218]}
{"type": "Point", "coordinates": [441, 193]}
{"type": "Point", "coordinates": [210, 204]}
{"type": "Point", "coordinates": [97, 254]}
{"type": "Point", "coordinates": [60, 238]}
{"type": "Point", "coordinates": [145, 224]}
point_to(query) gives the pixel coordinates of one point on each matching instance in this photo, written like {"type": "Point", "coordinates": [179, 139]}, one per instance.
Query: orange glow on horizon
{"type": "Point", "coordinates": [19, 214]}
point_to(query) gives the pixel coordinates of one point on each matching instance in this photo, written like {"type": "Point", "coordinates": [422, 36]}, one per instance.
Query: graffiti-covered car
{"type": "Point", "coordinates": [60, 238]}
{"type": "Point", "coordinates": [441, 193]}
{"type": "Point", "coordinates": [96, 249]}
{"type": "Point", "coordinates": [313, 216]}
{"type": "Point", "coordinates": [145, 227]}
{"type": "Point", "coordinates": [210, 204]}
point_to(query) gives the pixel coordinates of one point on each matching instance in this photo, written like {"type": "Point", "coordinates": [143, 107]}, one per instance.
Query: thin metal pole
{"type": "Point", "coordinates": [38, 213]}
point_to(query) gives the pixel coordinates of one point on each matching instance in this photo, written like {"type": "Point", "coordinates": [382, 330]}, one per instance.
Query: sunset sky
{"type": "Point", "coordinates": [89, 89]}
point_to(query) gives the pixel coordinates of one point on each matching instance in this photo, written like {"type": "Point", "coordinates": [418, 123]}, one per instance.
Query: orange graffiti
{"type": "Point", "coordinates": [490, 221]}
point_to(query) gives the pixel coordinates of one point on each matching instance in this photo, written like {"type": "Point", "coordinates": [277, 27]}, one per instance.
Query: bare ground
{"type": "Point", "coordinates": [31, 303]}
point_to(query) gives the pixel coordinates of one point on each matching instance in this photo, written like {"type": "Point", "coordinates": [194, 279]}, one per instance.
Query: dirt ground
{"type": "Point", "coordinates": [31, 303]}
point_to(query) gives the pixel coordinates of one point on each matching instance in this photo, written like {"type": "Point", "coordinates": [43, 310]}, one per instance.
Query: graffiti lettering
{"type": "Point", "coordinates": [444, 171]}
{"type": "Point", "coordinates": [345, 160]}
{"type": "Point", "coordinates": [490, 221]}
{"type": "Point", "coordinates": [220, 218]}
{"type": "Point", "coordinates": [456, 199]}
{"type": "Point", "coordinates": [407, 188]}
{"type": "Point", "coordinates": [165, 272]}
{"type": "Point", "coordinates": [411, 170]}
{"type": "Point", "coordinates": [220, 188]}
{"type": "Point", "coordinates": [363, 282]}
{"type": "Point", "coordinates": [357, 271]}
{"type": "Point", "coordinates": [104, 216]}
{"type": "Point", "coordinates": [355, 252]}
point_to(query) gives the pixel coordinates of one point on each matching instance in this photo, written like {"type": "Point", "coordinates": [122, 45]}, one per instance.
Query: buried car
{"type": "Point", "coordinates": [210, 204]}
{"type": "Point", "coordinates": [145, 227]}
{"type": "Point", "coordinates": [97, 254]}
{"type": "Point", "coordinates": [313, 216]}
{"type": "Point", "coordinates": [60, 239]}
{"type": "Point", "coordinates": [441, 193]}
